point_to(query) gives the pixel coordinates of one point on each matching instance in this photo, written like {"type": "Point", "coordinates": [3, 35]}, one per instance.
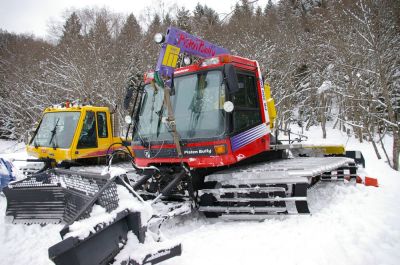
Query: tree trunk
{"type": "Point", "coordinates": [286, 128]}
{"type": "Point", "coordinates": [308, 125]}
{"type": "Point", "coordinates": [396, 148]}
{"type": "Point", "coordinates": [359, 133]}
{"type": "Point", "coordinates": [323, 126]}
{"type": "Point", "coordinates": [384, 151]}
{"type": "Point", "coordinates": [322, 115]}
{"type": "Point", "coordinates": [374, 144]}
{"type": "Point", "coordinates": [336, 123]}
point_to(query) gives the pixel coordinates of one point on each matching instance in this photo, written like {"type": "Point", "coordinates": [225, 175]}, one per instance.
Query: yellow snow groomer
{"type": "Point", "coordinates": [75, 133]}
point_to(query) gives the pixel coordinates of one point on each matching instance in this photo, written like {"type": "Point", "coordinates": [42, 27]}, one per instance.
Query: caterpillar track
{"type": "Point", "coordinates": [277, 187]}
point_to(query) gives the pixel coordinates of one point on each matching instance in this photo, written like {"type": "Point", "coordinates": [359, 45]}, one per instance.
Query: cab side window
{"type": "Point", "coordinates": [102, 125]}
{"type": "Point", "coordinates": [247, 110]}
{"type": "Point", "coordinates": [88, 137]}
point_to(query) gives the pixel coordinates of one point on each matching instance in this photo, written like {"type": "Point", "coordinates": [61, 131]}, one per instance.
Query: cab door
{"type": "Point", "coordinates": [87, 145]}
{"type": "Point", "coordinates": [249, 131]}
{"type": "Point", "coordinates": [103, 134]}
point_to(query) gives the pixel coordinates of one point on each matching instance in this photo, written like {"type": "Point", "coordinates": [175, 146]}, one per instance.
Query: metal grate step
{"type": "Point", "coordinates": [252, 210]}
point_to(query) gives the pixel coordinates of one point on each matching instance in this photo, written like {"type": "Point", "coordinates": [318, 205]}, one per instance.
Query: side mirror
{"type": "Point", "coordinates": [128, 97]}
{"type": "Point", "coordinates": [231, 78]}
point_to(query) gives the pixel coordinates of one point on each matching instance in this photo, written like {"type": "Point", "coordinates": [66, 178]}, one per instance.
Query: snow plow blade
{"type": "Point", "coordinates": [53, 196]}
{"type": "Point", "coordinates": [105, 239]}
{"type": "Point", "coordinates": [99, 248]}
{"type": "Point", "coordinates": [102, 246]}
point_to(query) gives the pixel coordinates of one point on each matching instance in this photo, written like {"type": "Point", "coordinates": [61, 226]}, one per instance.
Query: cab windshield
{"type": "Point", "coordinates": [56, 130]}
{"type": "Point", "coordinates": [197, 104]}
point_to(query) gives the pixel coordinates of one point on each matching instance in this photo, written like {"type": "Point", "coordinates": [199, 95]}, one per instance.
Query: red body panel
{"type": "Point", "coordinates": [253, 148]}
{"type": "Point", "coordinates": [193, 162]}
{"type": "Point", "coordinates": [249, 150]}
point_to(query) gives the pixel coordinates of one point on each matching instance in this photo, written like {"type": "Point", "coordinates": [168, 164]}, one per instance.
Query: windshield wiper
{"type": "Point", "coordinates": [144, 142]}
{"type": "Point", "coordinates": [159, 113]}
{"type": "Point", "coordinates": [53, 132]}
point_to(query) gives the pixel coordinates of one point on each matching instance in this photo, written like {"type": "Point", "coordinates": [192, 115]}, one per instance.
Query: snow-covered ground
{"type": "Point", "coordinates": [350, 224]}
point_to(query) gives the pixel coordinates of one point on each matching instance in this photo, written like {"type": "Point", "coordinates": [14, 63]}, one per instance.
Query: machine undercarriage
{"type": "Point", "coordinates": [277, 187]}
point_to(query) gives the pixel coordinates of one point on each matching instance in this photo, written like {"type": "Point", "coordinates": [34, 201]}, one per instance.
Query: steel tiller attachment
{"type": "Point", "coordinates": [53, 196]}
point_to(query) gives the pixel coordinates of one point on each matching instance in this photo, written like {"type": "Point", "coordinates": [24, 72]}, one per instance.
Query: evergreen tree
{"type": "Point", "coordinates": [100, 32]}
{"type": "Point", "coordinates": [130, 31]}
{"type": "Point", "coordinates": [258, 12]}
{"type": "Point", "coordinates": [167, 20]}
{"type": "Point", "coordinates": [183, 19]}
{"type": "Point", "coordinates": [268, 7]}
{"type": "Point", "coordinates": [155, 25]}
{"type": "Point", "coordinates": [72, 30]}
{"type": "Point", "coordinates": [211, 15]}
{"type": "Point", "coordinates": [204, 15]}
{"type": "Point", "coordinates": [198, 12]}
{"type": "Point", "coordinates": [246, 9]}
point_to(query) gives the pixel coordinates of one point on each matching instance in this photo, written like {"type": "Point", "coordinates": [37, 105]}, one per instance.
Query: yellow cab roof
{"type": "Point", "coordinates": [75, 108]}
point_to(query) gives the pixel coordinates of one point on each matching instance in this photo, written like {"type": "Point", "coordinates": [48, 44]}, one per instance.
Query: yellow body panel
{"type": "Point", "coordinates": [73, 153]}
{"type": "Point", "coordinates": [331, 149]}
{"type": "Point", "coordinates": [270, 105]}
{"type": "Point", "coordinates": [171, 56]}
{"type": "Point", "coordinates": [326, 149]}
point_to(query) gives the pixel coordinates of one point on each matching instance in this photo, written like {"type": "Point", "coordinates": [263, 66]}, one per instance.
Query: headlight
{"type": "Point", "coordinates": [159, 38]}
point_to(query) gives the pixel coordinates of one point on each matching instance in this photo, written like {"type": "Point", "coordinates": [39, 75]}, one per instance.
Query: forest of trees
{"type": "Point", "coordinates": [326, 60]}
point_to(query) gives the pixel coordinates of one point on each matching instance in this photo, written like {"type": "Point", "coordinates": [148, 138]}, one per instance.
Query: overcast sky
{"type": "Point", "coordinates": [34, 16]}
